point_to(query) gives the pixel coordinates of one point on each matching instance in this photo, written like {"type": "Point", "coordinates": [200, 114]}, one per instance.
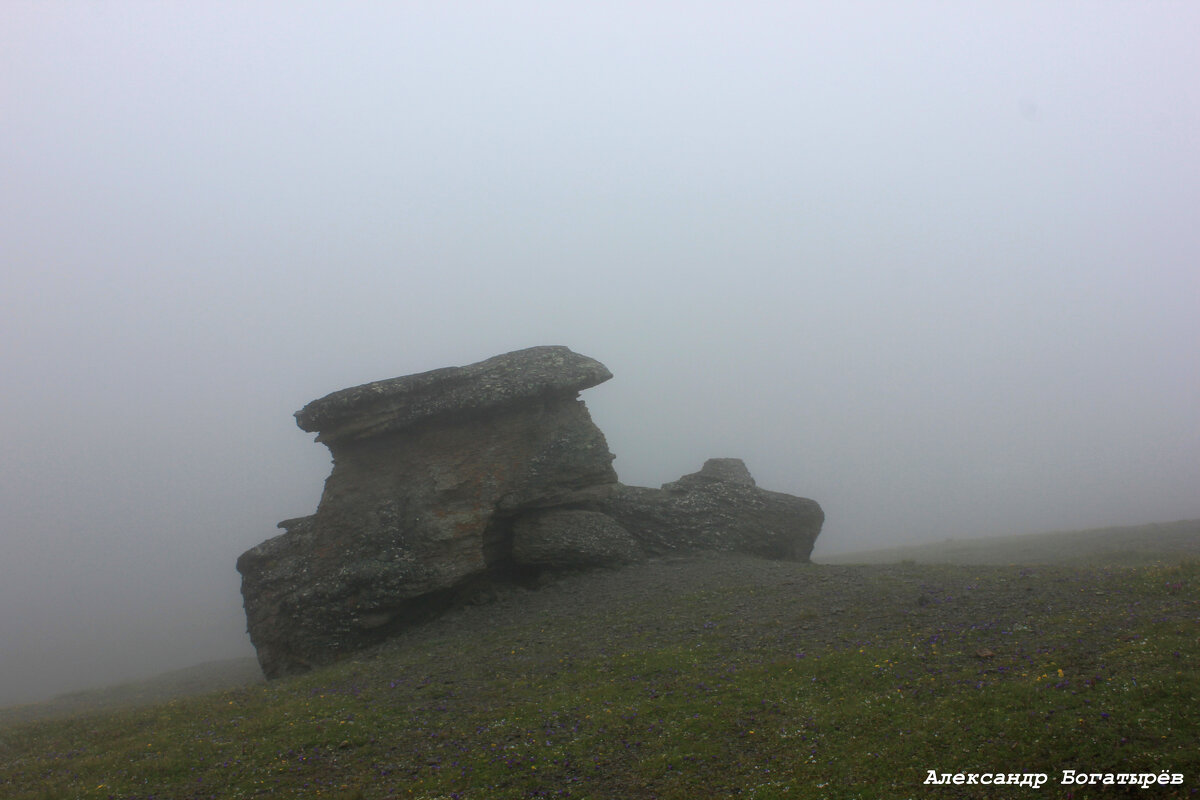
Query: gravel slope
{"type": "Point", "coordinates": [751, 601]}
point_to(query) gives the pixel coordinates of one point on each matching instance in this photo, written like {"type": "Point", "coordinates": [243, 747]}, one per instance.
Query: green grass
{"type": "Point", "coordinates": [1103, 687]}
{"type": "Point", "coordinates": [1127, 545]}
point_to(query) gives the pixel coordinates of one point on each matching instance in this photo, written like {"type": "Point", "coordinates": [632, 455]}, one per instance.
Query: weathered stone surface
{"type": "Point", "coordinates": [415, 513]}
{"type": "Point", "coordinates": [718, 508]}
{"type": "Point", "coordinates": [449, 481]}
{"type": "Point", "coordinates": [374, 409]}
{"type": "Point", "coordinates": [729, 470]}
{"type": "Point", "coordinates": [568, 539]}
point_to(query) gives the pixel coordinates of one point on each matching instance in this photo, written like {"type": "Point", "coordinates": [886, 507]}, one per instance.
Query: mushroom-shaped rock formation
{"type": "Point", "coordinates": [428, 472]}
{"type": "Point", "coordinates": [446, 481]}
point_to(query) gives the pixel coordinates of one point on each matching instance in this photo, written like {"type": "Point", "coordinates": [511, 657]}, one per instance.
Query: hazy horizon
{"type": "Point", "coordinates": [935, 266]}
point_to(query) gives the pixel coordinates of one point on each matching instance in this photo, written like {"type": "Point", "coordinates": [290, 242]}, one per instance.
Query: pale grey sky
{"type": "Point", "coordinates": [934, 265]}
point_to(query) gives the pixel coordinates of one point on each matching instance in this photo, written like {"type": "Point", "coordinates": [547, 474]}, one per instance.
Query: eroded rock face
{"type": "Point", "coordinates": [571, 538]}
{"type": "Point", "coordinates": [428, 473]}
{"type": "Point", "coordinates": [450, 480]}
{"type": "Point", "coordinates": [718, 508]}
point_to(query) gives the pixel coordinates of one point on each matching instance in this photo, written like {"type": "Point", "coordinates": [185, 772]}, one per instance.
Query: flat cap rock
{"type": "Point", "coordinates": [382, 407]}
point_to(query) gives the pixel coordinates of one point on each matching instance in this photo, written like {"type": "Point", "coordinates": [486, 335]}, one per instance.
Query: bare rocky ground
{"type": "Point", "coordinates": [1007, 583]}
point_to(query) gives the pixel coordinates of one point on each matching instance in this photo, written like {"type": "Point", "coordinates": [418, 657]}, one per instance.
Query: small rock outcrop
{"type": "Point", "coordinates": [718, 508]}
{"type": "Point", "coordinates": [446, 481]}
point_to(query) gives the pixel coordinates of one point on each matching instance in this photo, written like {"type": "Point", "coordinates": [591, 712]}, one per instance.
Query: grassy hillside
{"type": "Point", "coordinates": [199, 679]}
{"type": "Point", "coordinates": [1131, 545]}
{"type": "Point", "coordinates": [689, 678]}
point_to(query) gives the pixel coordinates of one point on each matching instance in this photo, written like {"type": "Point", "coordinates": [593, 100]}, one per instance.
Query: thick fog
{"type": "Point", "coordinates": [934, 265]}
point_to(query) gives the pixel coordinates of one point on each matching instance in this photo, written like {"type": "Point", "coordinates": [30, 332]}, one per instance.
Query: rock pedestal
{"type": "Point", "coordinates": [446, 480]}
